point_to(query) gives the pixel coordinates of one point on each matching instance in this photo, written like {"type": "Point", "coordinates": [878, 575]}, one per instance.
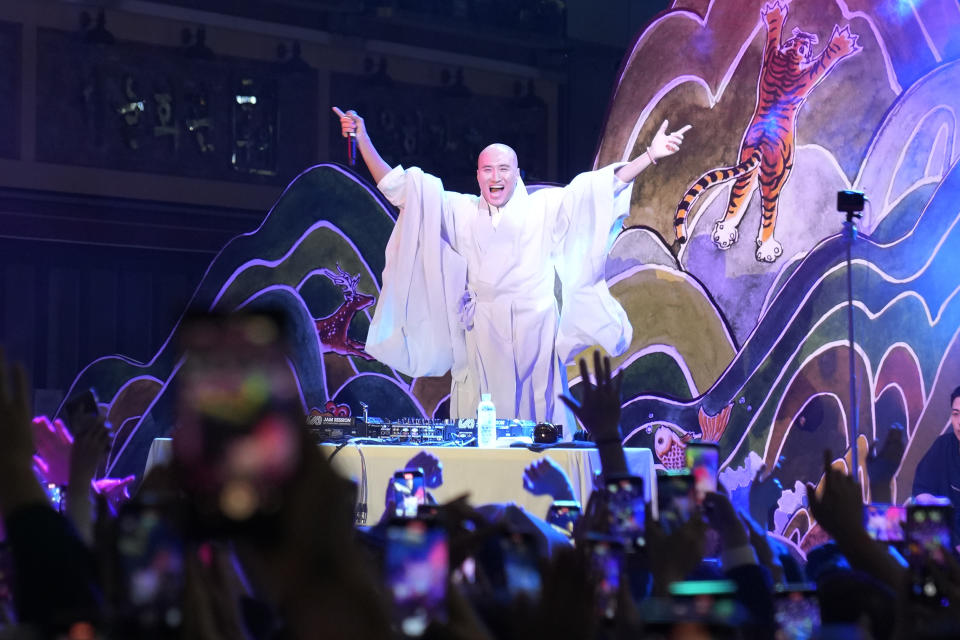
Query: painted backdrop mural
{"type": "Point", "coordinates": [791, 102]}
{"type": "Point", "coordinates": [738, 338]}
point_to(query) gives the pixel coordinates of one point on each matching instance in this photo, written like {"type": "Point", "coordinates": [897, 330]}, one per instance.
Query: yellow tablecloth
{"type": "Point", "coordinates": [488, 475]}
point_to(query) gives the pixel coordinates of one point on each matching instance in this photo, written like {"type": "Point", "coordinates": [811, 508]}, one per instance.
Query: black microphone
{"type": "Point", "coordinates": [352, 148]}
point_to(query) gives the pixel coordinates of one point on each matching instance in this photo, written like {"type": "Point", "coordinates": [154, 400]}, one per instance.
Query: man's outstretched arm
{"type": "Point", "coordinates": [350, 122]}
{"type": "Point", "coordinates": [664, 144]}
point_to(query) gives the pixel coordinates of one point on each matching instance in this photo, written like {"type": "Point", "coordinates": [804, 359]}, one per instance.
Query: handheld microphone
{"type": "Point", "coordinates": [352, 148]}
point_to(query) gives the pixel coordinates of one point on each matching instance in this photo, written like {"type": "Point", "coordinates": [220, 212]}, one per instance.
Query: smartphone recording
{"type": "Point", "coordinates": [703, 461]}
{"type": "Point", "coordinates": [564, 515]}
{"type": "Point", "coordinates": [606, 562]}
{"type": "Point", "coordinates": [408, 492]}
{"type": "Point", "coordinates": [239, 416]}
{"type": "Point", "coordinates": [928, 531]}
{"type": "Point", "coordinates": [676, 499]}
{"type": "Point", "coordinates": [417, 564]}
{"type": "Point", "coordinates": [885, 522]}
{"type": "Point", "coordinates": [151, 553]}
{"type": "Point", "coordinates": [626, 506]}
{"type": "Point", "coordinates": [797, 612]}
{"type": "Point", "coordinates": [521, 565]}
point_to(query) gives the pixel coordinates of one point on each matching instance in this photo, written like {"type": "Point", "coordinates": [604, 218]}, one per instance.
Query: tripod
{"type": "Point", "coordinates": [851, 203]}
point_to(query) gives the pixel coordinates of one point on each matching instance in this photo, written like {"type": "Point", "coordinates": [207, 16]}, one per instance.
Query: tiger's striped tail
{"type": "Point", "coordinates": [710, 178]}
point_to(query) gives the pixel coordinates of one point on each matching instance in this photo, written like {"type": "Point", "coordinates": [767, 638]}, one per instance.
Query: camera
{"type": "Point", "coordinates": [546, 433]}
{"type": "Point", "coordinates": [850, 201]}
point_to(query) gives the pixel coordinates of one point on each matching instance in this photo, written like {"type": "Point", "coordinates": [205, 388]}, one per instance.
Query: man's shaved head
{"type": "Point", "coordinates": [499, 146]}
{"type": "Point", "coordinates": [497, 173]}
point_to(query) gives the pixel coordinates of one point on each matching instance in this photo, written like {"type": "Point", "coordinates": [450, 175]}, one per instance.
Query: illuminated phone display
{"type": "Point", "coordinates": [885, 522]}
{"type": "Point", "coordinates": [408, 492]}
{"type": "Point", "coordinates": [626, 506]}
{"type": "Point", "coordinates": [703, 460]}
{"type": "Point", "coordinates": [417, 563]}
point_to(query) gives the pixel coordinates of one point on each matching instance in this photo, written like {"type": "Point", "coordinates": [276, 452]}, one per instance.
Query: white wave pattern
{"type": "Point", "coordinates": [789, 503]}
{"type": "Point", "coordinates": [737, 480]}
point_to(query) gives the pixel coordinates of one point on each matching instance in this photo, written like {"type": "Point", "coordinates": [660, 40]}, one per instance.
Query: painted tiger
{"type": "Point", "coordinates": [788, 73]}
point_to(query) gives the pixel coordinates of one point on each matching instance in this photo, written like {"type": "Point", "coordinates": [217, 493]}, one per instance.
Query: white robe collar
{"type": "Point", "coordinates": [514, 206]}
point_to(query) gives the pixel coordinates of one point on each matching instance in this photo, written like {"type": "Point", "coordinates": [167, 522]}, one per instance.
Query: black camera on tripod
{"type": "Point", "coordinates": [850, 202]}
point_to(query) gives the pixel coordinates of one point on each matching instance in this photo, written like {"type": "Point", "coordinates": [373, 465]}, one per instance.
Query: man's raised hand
{"type": "Point", "coordinates": [350, 122]}
{"type": "Point", "coordinates": [666, 144]}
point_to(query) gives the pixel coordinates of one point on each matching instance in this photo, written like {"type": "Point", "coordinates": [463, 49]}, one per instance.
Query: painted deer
{"type": "Point", "coordinates": [333, 328]}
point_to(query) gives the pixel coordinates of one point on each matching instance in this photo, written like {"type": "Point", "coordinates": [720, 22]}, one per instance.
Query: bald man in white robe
{"type": "Point", "coordinates": [468, 285]}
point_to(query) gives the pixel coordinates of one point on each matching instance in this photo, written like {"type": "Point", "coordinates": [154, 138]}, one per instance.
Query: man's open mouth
{"type": "Point", "coordinates": [494, 189]}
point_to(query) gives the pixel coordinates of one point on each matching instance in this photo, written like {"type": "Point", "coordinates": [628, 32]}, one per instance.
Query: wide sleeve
{"type": "Point", "coordinates": [394, 186]}
{"type": "Point", "coordinates": [413, 328]}
{"type": "Point", "coordinates": [590, 215]}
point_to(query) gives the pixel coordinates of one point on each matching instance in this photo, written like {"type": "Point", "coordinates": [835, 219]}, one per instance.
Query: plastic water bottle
{"type": "Point", "coordinates": [486, 423]}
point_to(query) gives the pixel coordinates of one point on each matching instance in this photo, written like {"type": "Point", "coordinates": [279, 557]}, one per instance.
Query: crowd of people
{"type": "Point", "coordinates": [166, 562]}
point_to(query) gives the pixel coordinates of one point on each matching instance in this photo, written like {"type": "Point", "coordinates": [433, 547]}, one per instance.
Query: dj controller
{"type": "Point", "coordinates": [422, 431]}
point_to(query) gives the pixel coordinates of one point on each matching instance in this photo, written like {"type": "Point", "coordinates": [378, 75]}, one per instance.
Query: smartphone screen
{"type": "Point", "coordinates": [928, 529]}
{"type": "Point", "coordinates": [703, 461]}
{"type": "Point", "coordinates": [797, 612]}
{"type": "Point", "coordinates": [626, 506]}
{"type": "Point", "coordinates": [675, 498]}
{"type": "Point", "coordinates": [564, 514]}
{"type": "Point", "coordinates": [885, 522]}
{"type": "Point", "coordinates": [54, 495]}
{"type": "Point", "coordinates": [150, 548]}
{"type": "Point", "coordinates": [606, 561]}
{"type": "Point", "coordinates": [416, 568]}
{"type": "Point", "coordinates": [521, 565]}
{"type": "Point", "coordinates": [409, 492]}
{"type": "Point", "coordinates": [239, 414]}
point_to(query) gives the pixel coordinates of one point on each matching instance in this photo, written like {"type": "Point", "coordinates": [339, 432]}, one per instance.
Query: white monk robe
{"type": "Point", "coordinates": [469, 288]}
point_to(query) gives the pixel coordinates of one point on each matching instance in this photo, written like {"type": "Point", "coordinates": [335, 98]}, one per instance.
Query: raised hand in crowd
{"type": "Point", "coordinates": [763, 494]}
{"type": "Point", "coordinates": [53, 442]}
{"type": "Point", "coordinates": [725, 520]}
{"type": "Point", "coordinates": [18, 485]}
{"type": "Point", "coordinates": [674, 555]}
{"type": "Point", "coordinates": [545, 477]}
{"type": "Point", "coordinates": [761, 546]}
{"type": "Point", "coordinates": [599, 412]}
{"type": "Point", "coordinates": [462, 623]}
{"type": "Point", "coordinates": [115, 490]}
{"type": "Point", "coordinates": [467, 529]}
{"type": "Point", "coordinates": [212, 596]}
{"type": "Point", "coordinates": [739, 561]}
{"type": "Point", "coordinates": [311, 567]}
{"type": "Point", "coordinates": [566, 608]}
{"type": "Point", "coordinates": [90, 446]}
{"type": "Point", "coordinates": [54, 576]}
{"type": "Point", "coordinates": [599, 406]}
{"type": "Point", "coordinates": [431, 466]}
{"type": "Point", "coordinates": [837, 505]}
{"type": "Point", "coordinates": [883, 462]}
